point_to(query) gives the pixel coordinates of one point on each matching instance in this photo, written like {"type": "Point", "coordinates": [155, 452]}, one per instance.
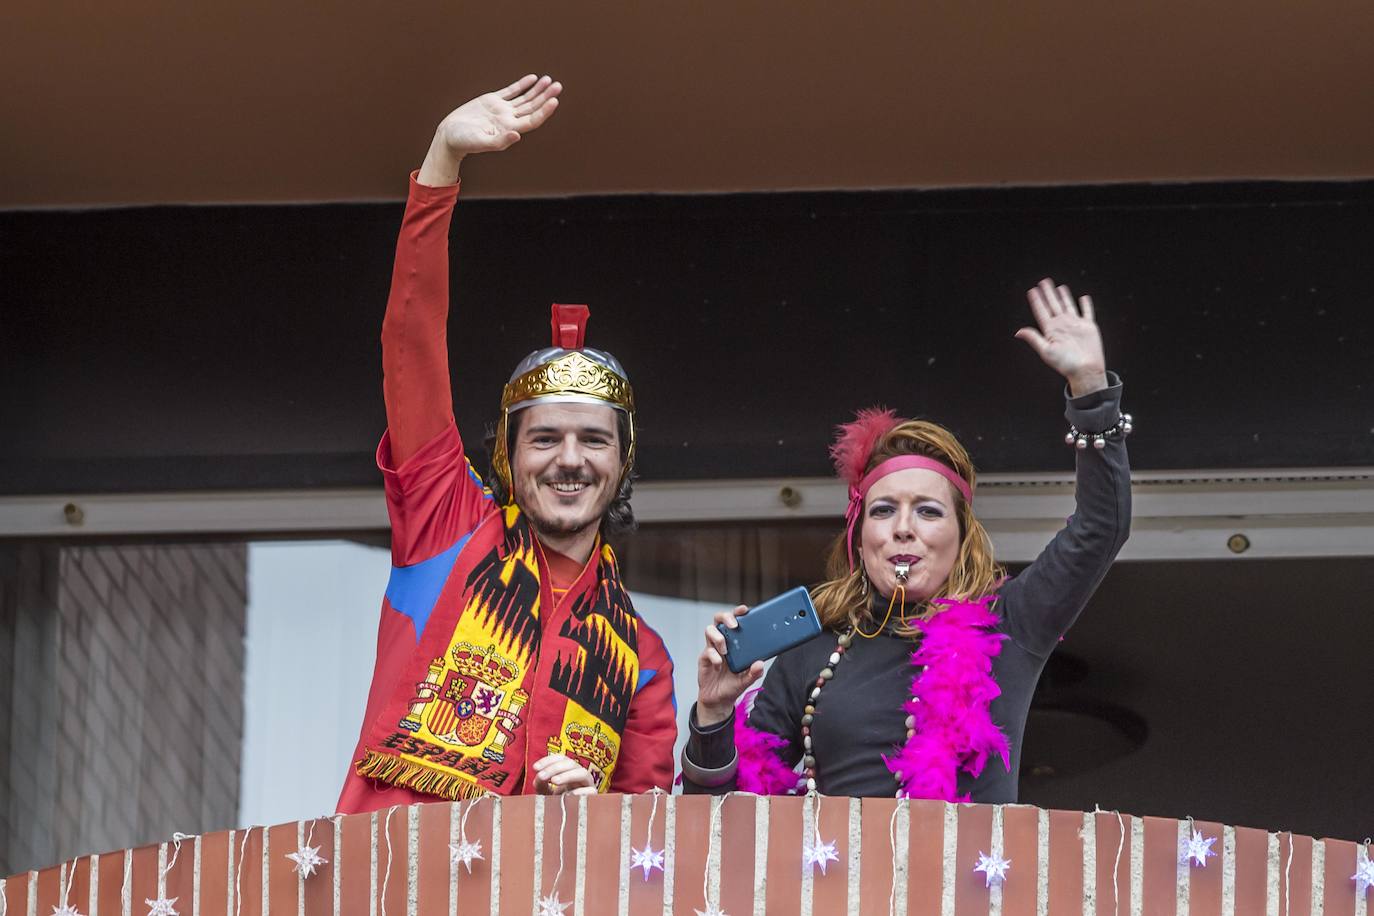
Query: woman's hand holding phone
{"type": "Point", "coordinates": [719, 688]}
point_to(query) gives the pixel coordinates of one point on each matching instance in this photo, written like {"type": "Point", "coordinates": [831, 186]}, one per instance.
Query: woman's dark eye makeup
{"type": "Point", "coordinates": [925, 510]}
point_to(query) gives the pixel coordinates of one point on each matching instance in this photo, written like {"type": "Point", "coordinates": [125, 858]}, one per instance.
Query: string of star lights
{"type": "Point", "coordinates": [726, 846]}
{"type": "Point", "coordinates": [1197, 848]}
{"type": "Point", "coordinates": [649, 858]}
{"type": "Point", "coordinates": [386, 878]}
{"type": "Point", "coordinates": [994, 868]}
{"type": "Point", "coordinates": [66, 909]}
{"type": "Point", "coordinates": [892, 845]}
{"type": "Point", "coordinates": [1120, 847]}
{"type": "Point", "coordinates": [465, 851]}
{"type": "Point", "coordinates": [163, 906]}
{"type": "Point", "coordinates": [1364, 870]}
{"type": "Point", "coordinates": [1287, 878]}
{"type": "Point", "coordinates": [238, 874]}
{"type": "Point", "coordinates": [307, 858]}
{"type": "Point", "coordinates": [551, 905]}
{"type": "Point", "coordinates": [712, 909]}
{"type": "Point", "coordinates": [816, 854]}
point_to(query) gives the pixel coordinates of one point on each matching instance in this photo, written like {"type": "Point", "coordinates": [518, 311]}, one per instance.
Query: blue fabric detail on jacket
{"type": "Point", "coordinates": [414, 590]}
{"type": "Point", "coordinates": [647, 674]}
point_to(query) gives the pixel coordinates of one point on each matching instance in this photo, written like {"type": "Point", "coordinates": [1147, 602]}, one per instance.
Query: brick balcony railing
{"type": "Point", "coordinates": [745, 852]}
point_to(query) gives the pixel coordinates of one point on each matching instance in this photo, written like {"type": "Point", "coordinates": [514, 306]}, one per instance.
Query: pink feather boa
{"type": "Point", "coordinates": [760, 771]}
{"type": "Point", "coordinates": [950, 699]}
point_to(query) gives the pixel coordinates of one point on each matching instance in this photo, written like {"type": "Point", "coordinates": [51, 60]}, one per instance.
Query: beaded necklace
{"type": "Point", "coordinates": [828, 672]}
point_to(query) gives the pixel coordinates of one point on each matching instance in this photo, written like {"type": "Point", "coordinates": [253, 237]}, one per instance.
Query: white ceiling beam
{"type": "Point", "coordinates": [1178, 515]}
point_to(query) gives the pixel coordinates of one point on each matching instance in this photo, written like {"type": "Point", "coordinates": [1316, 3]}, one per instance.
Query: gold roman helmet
{"type": "Point", "coordinates": [565, 373]}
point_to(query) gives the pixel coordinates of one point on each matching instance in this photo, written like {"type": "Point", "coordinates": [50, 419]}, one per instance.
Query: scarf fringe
{"type": "Point", "coordinates": [397, 771]}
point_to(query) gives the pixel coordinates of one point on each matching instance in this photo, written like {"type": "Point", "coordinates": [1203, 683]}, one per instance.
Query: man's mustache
{"type": "Point", "coordinates": [569, 478]}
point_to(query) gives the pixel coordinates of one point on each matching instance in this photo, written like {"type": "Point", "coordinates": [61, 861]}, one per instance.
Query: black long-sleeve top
{"type": "Point", "coordinates": [859, 715]}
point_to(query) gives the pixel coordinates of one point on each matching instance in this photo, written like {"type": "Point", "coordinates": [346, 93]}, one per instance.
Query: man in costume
{"type": "Point", "coordinates": [509, 656]}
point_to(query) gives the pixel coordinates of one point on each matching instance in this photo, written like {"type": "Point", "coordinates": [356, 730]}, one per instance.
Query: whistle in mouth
{"type": "Point", "coordinates": [903, 570]}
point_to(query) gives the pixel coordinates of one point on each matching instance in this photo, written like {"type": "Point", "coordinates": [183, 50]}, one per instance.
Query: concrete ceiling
{"type": "Point", "coordinates": [149, 101]}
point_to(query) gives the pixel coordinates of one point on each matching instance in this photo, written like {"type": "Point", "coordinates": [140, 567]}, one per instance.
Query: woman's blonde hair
{"type": "Point", "coordinates": [843, 599]}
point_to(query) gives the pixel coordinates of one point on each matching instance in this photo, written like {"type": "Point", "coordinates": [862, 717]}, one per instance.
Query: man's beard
{"type": "Point", "coordinates": [561, 527]}
{"type": "Point", "coordinates": [558, 526]}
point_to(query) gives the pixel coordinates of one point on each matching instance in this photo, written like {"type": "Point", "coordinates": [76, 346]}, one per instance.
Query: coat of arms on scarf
{"type": "Point", "coordinates": [468, 699]}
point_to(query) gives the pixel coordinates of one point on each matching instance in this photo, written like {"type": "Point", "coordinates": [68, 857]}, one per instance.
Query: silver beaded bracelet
{"type": "Point", "coordinates": [1079, 439]}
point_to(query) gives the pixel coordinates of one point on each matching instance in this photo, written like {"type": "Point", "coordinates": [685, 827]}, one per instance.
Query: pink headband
{"type": "Point", "coordinates": [891, 466]}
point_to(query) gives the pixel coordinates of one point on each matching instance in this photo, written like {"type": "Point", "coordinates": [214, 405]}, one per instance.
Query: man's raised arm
{"type": "Point", "coordinates": [416, 384]}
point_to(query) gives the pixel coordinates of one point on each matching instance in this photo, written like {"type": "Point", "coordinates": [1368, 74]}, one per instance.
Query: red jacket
{"type": "Point", "coordinates": [435, 500]}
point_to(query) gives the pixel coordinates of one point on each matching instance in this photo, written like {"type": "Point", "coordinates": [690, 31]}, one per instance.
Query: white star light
{"type": "Point", "coordinates": [463, 853]}
{"type": "Point", "coordinates": [161, 906]}
{"type": "Point", "coordinates": [994, 868]}
{"type": "Point", "coordinates": [1364, 875]}
{"type": "Point", "coordinates": [647, 859]}
{"type": "Point", "coordinates": [65, 909]}
{"type": "Point", "coordinates": [307, 859]}
{"type": "Point", "coordinates": [819, 854]}
{"type": "Point", "coordinates": [711, 910]}
{"type": "Point", "coordinates": [551, 906]}
{"type": "Point", "coordinates": [1198, 848]}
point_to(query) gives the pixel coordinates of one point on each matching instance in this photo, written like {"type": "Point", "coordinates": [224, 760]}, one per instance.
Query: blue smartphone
{"type": "Point", "coordinates": [770, 628]}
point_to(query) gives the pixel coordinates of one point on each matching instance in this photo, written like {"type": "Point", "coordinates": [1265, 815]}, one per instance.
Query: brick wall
{"type": "Point", "coordinates": [121, 695]}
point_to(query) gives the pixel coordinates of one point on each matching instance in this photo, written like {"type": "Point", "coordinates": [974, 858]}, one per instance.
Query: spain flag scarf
{"type": "Point", "coordinates": [506, 673]}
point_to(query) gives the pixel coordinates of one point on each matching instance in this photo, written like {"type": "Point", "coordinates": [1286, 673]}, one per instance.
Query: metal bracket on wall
{"type": "Point", "coordinates": [1178, 515]}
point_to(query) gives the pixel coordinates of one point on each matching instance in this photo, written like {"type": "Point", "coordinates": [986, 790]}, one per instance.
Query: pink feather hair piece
{"type": "Point", "coordinates": [856, 440]}
{"type": "Point", "coordinates": [760, 769]}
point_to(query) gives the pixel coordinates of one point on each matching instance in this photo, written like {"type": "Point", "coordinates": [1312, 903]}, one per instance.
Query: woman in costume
{"type": "Point", "coordinates": [921, 678]}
